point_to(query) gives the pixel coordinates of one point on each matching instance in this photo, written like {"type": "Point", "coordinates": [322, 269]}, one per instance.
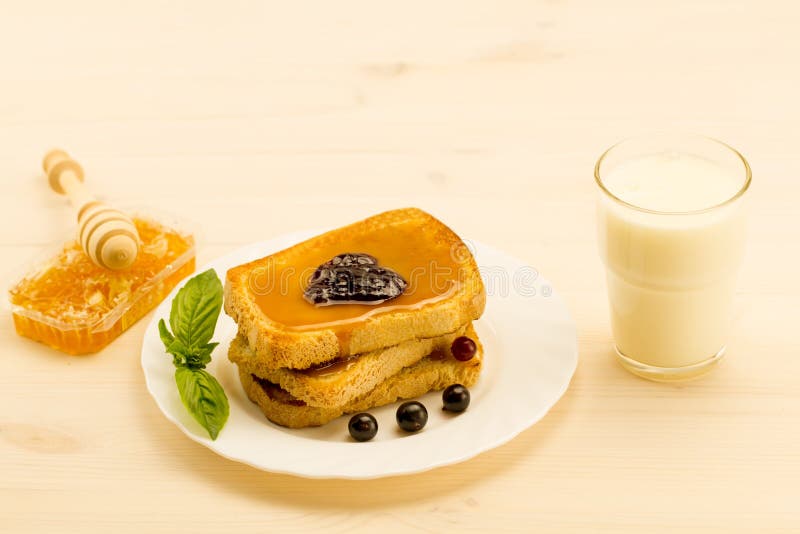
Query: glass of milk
{"type": "Point", "coordinates": [671, 234]}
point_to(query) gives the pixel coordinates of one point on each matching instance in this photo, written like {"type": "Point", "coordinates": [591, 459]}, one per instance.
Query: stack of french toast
{"type": "Point", "coordinates": [355, 318]}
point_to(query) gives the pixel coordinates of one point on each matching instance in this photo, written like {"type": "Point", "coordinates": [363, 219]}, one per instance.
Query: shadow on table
{"type": "Point", "coordinates": [331, 494]}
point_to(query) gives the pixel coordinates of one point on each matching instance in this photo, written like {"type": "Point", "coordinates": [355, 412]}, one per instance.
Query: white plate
{"type": "Point", "coordinates": [530, 356]}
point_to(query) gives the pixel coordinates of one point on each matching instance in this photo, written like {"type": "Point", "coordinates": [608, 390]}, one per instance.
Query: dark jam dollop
{"type": "Point", "coordinates": [353, 278]}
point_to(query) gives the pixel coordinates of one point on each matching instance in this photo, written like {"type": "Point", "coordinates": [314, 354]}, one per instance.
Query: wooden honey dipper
{"type": "Point", "coordinates": [107, 235]}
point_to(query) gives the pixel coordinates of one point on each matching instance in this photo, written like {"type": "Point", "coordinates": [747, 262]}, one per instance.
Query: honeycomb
{"type": "Point", "coordinates": [72, 305]}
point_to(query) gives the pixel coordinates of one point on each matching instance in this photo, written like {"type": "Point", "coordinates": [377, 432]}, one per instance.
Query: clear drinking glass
{"type": "Point", "coordinates": [671, 233]}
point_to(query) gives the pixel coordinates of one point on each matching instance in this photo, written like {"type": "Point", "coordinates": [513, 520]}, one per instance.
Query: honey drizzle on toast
{"type": "Point", "coordinates": [429, 267]}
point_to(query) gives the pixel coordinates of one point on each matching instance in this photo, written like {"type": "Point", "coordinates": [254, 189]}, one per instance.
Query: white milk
{"type": "Point", "coordinates": [671, 277]}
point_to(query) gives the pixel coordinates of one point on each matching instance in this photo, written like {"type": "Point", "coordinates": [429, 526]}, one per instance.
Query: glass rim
{"type": "Point", "coordinates": [745, 186]}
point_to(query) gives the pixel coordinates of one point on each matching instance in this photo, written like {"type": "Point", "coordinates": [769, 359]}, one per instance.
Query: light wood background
{"type": "Point", "coordinates": [258, 118]}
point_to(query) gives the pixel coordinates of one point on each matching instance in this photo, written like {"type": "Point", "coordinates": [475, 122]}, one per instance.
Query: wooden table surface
{"type": "Point", "coordinates": [258, 118]}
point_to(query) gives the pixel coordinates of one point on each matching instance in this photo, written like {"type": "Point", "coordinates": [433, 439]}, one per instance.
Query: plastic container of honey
{"type": "Point", "coordinates": [69, 303]}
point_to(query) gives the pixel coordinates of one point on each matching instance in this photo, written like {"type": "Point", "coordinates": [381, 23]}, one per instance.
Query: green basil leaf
{"type": "Point", "coordinates": [204, 398]}
{"type": "Point", "coordinates": [199, 357]}
{"type": "Point", "coordinates": [179, 351]}
{"type": "Point", "coordinates": [166, 337]}
{"type": "Point", "coordinates": [193, 318]}
{"type": "Point", "coordinates": [195, 310]}
{"type": "Point", "coordinates": [204, 352]}
{"type": "Point", "coordinates": [194, 357]}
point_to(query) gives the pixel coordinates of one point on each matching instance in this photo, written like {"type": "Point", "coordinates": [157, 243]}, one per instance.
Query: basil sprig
{"type": "Point", "coordinates": [193, 318]}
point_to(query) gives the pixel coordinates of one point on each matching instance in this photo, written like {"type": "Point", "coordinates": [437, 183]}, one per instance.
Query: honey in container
{"type": "Point", "coordinates": [74, 305]}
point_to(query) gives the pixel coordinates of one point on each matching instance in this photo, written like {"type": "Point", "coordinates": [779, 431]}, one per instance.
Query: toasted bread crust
{"type": "Point", "coordinates": [364, 373]}
{"type": "Point", "coordinates": [414, 381]}
{"type": "Point", "coordinates": [277, 345]}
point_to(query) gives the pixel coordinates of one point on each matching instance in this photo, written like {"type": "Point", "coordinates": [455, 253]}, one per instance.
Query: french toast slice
{"type": "Point", "coordinates": [426, 375]}
{"type": "Point", "coordinates": [343, 380]}
{"type": "Point", "coordinates": [265, 297]}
